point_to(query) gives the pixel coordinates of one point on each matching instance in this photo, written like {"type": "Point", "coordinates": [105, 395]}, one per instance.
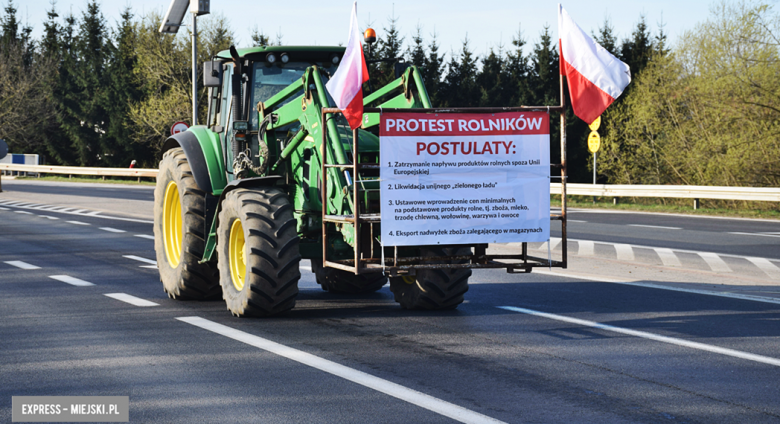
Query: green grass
{"type": "Point", "coordinates": [108, 180]}
{"type": "Point", "coordinates": [764, 210]}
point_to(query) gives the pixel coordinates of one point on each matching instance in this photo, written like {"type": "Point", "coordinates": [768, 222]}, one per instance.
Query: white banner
{"type": "Point", "coordinates": [465, 178]}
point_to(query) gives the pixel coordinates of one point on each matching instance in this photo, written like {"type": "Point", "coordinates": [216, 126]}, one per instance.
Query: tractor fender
{"type": "Point", "coordinates": [202, 148]}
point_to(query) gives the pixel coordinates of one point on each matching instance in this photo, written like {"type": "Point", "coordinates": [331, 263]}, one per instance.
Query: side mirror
{"type": "Point", "coordinates": [212, 74]}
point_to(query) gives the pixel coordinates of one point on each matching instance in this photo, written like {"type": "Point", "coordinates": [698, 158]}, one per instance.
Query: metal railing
{"type": "Point", "coordinates": [761, 194]}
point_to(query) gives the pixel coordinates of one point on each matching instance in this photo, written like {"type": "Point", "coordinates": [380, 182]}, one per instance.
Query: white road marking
{"type": "Point", "coordinates": [768, 267]}
{"type": "Point", "coordinates": [554, 242]}
{"type": "Point", "coordinates": [47, 216]}
{"type": "Point", "coordinates": [148, 266]}
{"type": "Point", "coordinates": [112, 230]}
{"type": "Point", "coordinates": [24, 212]}
{"type": "Point", "coordinates": [574, 220]}
{"type": "Point", "coordinates": [22, 265]}
{"type": "Point", "coordinates": [305, 268]}
{"type": "Point", "coordinates": [654, 226]}
{"type": "Point", "coordinates": [756, 234]}
{"type": "Point", "coordinates": [586, 248]}
{"type": "Point", "coordinates": [93, 213]}
{"type": "Point", "coordinates": [650, 336]}
{"type": "Point", "coordinates": [715, 262]}
{"type": "Point", "coordinates": [146, 236]}
{"type": "Point", "coordinates": [71, 280]}
{"type": "Point", "coordinates": [136, 301]}
{"type": "Point", "coordinates": [668, 257]}
{"type": "Point", "coordinates": [729, 295]}
{"type": "Point", "coordinates": [140, 259]}
{"type": "Point", "coordinates": [80, 211]}
{"type": "Point", "coordinates": [77, 222]}
{"type": "Point", "coordinates": [414, 397]}
{"type": "Point", "coordinates": [4, 209]}
{"type": "Point", "coordinates": [624, 252]}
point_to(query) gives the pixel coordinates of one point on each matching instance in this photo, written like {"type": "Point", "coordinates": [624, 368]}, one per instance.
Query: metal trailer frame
{"type": "Point", "coordinates": [406, 265]}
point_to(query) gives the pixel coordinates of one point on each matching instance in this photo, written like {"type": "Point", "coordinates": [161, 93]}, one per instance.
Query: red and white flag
{"type": "Point", "coordinates": [346, 86]}
{"type": "Point", "coordinates": [596, 78]}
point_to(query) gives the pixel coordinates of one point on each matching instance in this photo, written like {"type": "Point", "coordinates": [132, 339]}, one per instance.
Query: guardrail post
{"type": "Point", "coordinates": [614, 200]}
{"type": "Point", "coordinates": [696, 204]}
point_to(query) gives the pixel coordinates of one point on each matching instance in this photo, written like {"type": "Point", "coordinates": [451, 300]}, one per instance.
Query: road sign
{"type": "Point", "coordinates": [594, 142]}
{"type": "Point", "coordinates": [179, 127]}
{"type": "Point", "coordinates": [594, 126]}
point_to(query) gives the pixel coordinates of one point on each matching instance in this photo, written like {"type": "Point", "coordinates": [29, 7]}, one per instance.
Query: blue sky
{"type": "Point", "coordinates": [487, 22]}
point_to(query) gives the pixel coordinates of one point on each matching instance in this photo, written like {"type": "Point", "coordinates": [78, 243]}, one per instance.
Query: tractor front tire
{"type": "Point", "coordinates": [179, 218]}
{"type": "Point", "coordinates": [257, 244]}
{"type": "Point", "coordinates": [441, 288]}
{"type": "Point", "coordinates": [339, 281]}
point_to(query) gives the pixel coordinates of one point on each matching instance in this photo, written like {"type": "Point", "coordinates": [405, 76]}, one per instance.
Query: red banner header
{"type": "Point", "coordinates": [403, 124]}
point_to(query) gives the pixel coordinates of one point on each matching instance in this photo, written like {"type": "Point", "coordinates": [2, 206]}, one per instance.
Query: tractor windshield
{"type": "Point", "coordinates": [267, 80]}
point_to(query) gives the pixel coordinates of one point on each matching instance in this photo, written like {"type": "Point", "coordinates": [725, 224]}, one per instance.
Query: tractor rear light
{"type": "Point", "coordinates": [285, 58]}
{"type": "Point", "coordinates": [270, 58]}
{"type": "Point", "coordinates": [335, 59]}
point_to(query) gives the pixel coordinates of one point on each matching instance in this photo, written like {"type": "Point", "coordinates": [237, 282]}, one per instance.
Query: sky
{"type": "Point", "coordinates": [486, 23]}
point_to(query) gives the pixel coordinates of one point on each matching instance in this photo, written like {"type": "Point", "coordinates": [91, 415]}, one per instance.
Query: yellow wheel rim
{"type": "Point", "coordinates": [172, 225]}
{"type": "Point", "coordinates": [408, 279]}
{"type": "Point", "coordinates": [237, 255]}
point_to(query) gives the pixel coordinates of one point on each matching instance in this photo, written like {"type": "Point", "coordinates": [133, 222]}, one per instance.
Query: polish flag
{"type": "Point", "coordinates": [346, 86]}
{"type": "Point", "coordinates": [596, 78]}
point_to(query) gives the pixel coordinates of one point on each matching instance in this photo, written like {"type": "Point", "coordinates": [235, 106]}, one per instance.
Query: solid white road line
{"type": "Point", "coordinates": [585, 248]}
{"type": "Point", "coordinates": [137, 301]}
{"type": "Point", "coordinates": [24, 212]}
{"type": "Point", "coordinates": [22, 265]}
{"type": "Point", "coordinates": [47, 216]}
{"type": "Point", "coordinates": [71, 280]}
{"type": "Point", "coordinates": [574, 220]}
{"type": "Point", "coordinates": [756, 234]}
{"type": "Point", "coordinates": [654, 226]}
{"type": "Point", "coordinates": [624, 252]}
{"type": "Point", "coordinates": [4, 209]}
{"type": "Point", "coordinates": [414, 397]}
{"type": "Point", "coordinates": [146, 236]}
{"type": "Point", "coordinates": [148, 266]}
{"type": "Point", "coordinates": [650, 336]}
{"type": "Point", "coordinates": [668, 257]}
{"type": "Point", "coordinates": [140, 259]}
{"type": "Point", "coordinates": [768, 267]}
{"type": "Point", "coordinates": [77, 222]}
{"type": "Point", "coordinates": [729, 295]}
{"type": "Point", "coordinates": [112, 230]}
{"type": "Point", "coordinates": [715, 262]}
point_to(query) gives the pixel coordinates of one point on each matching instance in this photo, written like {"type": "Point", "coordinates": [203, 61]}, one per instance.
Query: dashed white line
{"type": "Point", "coordinates": [112, 230]}
{"type": "Point", "coordinates": [729, 295]}
{"type": "Point", "coordinates": [140, 259]}
{"type": "Point", "coordinates": [71, 280]}
{"type": "Point", "coordinates": [668, 257]}
{"type": "Point", "coordinates": [77, 222]}
{"type": "Point", "coordinates": [414, 397]}
{"type": "Point", "coordinates": [146, 236]}
{"type": "Point", "coordinates": [4, 209]}
{"type": "Point", "coordinates": [136, 301]}
{"type": "Point", "coordinates": [47, 216]}
{"type": "Point", "coordinates": [24, 212]}
{"type": "Point", "coordinates": [654, 226]}
{"type": "Point", "coordinates": [768, 267]}
{"type": "Point", "coordinates": [624, 252]}
{"type": "Point", "coordinates": [22, 265]}
{"type": "Point", "coordinates": [715, 262]}
{"type": "Point", "coordinates": [585, 248]}
{"type": "Point", "coordinates": [650, 336]}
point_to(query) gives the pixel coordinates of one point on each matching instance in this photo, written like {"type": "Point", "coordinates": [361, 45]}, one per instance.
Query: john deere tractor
{"type": "Point", "coordinates": [277, 175]}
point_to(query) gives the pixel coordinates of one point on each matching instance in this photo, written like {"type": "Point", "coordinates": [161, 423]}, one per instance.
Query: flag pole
{"type": "Point", "coordinates": [564, 248]}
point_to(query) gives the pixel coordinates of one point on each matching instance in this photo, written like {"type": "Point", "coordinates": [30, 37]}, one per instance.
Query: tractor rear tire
{"type": "Point", "coordinates": [339, 281]}
{"type": "Point", "coordinates": [179, 218]}
{"type": "Point", "coordinates": [257, 244]}
{"type": "Point", "coordinates": [441, 288]}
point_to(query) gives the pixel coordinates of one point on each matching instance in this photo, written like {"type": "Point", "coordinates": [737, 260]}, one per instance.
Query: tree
{"type": "Point", "coordinates": [518, 72]}
{"type": "Point", "coordinates": [460, 88]}
{"type": "Point", "coordinates": [544, 76]}
{"type": "Point", "coordinates": [259, 38]}
{"type": "Point", "coordinates": [433, 71]}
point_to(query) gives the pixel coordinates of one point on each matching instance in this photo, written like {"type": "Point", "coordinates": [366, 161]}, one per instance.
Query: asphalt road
{"type": "Point", "coordinates": [523, 348]}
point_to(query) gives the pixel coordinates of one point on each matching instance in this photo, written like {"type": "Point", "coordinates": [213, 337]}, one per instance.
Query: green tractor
{"type": "Point", "coordinates": [275, 176]}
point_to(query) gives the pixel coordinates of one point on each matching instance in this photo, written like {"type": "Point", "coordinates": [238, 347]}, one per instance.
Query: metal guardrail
{"type": "Point", "coordinates": [78, 170]}
{"type": "Point", "coordinates": [761, 194]}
